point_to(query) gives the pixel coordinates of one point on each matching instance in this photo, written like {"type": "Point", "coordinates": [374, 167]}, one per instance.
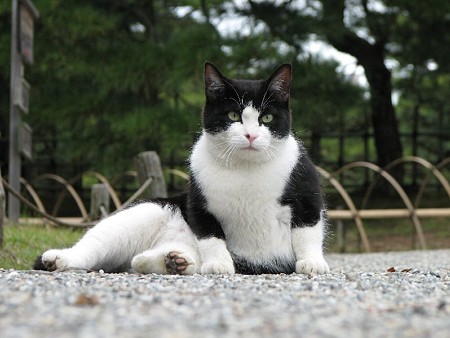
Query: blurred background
{"type": "Point", "coordinates": [112, 78]}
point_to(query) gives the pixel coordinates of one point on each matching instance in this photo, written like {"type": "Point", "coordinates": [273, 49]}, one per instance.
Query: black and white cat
{"type": "Point", "coordinates": [254, 203]}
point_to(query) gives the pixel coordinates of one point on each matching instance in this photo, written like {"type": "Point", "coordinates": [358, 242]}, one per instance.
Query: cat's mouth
{"type": "Point", "coordinates": [250, 148]}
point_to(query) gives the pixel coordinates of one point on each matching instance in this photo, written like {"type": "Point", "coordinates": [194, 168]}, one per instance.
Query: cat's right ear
{"type": "Point", "coordinates": [214, 82]}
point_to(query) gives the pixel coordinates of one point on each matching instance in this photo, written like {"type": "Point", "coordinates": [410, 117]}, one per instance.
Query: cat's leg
{"type": "Point", "coordinates": [216, 258]}
{"type": "Point", "coordinates": [174, 251]}
{"type": "Point", "coordinates": [214, 255]}
{"type": "Point", "coordinates": [111, 244]}
{"type": "Point", "coordinates": [307, 243]}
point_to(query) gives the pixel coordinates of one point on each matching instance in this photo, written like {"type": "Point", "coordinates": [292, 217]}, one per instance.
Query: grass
{"type": "Point", "coordinates": [23, 243]}
{"type": "Point", "coordinates": [393, 235]}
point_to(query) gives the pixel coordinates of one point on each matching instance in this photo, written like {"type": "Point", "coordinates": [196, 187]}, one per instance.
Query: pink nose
{"type": "Point", "coordinates": [250, 137]}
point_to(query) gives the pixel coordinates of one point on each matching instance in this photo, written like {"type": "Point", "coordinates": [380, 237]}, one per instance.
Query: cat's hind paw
{"type": "Point", "coordinates": [312, 266]}
{"type": "Point", "coordinates": [52, 260]}
{"type": "Point", "coordinates": [174, 262]}
{"type": "Point", "coordinates": [218, 267]}
{"type": "Point", "coordinates": [177, 263]}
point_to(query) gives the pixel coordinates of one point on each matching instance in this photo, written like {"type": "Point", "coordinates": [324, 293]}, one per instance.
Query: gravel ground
{"type": "Point", "coordinates": [358, 298]}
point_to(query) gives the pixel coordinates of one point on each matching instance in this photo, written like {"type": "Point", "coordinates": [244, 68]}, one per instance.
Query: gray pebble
{"type": "Point", "coordinates": [358, 298]}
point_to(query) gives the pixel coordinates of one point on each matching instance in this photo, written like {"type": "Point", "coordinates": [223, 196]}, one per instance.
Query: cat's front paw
{"type": "Point", "coordinates": [312, 265]}
{"type": "Point", "coordinates": [55, 260]}
{"type": "Point", "coordinates": [218, 267]}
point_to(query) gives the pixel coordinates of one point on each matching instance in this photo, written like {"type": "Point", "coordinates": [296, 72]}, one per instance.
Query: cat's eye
{"type": "Point", "coordinates": [234, 116]}
{"type": "Point", "coordinates": [267, 118]}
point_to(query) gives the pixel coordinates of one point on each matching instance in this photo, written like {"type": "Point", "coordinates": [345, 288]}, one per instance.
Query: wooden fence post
{"type": "Point", "coordinates": [2, 208]}
{"type": "Point", "coordinates": [148, 165]}
{"type": "Point", "coordinates": [99, 201]}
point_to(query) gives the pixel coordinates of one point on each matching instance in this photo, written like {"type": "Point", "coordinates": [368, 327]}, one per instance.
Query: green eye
{"type": "Point", "coordinates": [234, 116]}
{"type": "Point", "coordinates": [267, 118]}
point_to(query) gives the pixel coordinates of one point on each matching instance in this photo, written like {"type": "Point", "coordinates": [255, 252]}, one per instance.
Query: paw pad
{"type": "Point", "coordinates": [175, 264]}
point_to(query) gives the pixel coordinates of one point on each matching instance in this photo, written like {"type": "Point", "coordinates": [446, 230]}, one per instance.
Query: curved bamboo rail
{"type": "Point", "coordinates": [393, 182]}
{"type": "Point", "coordinates": [432, 170]}
{"type": "Point", "coordinates": [411, 210]}
{"type": "Point", "coordinates": [99, 177]}
{"type": "Point", "coordinates": [129, 173]}
{"type": "Point", "coordinates": [34, 195]}
{"type": "Point", "coordinates": [69, 188]}
{"type": "Point", "coordinates": [348, 200]}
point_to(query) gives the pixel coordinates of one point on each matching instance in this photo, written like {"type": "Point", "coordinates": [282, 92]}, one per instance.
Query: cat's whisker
{"type": "Point", "coordinates": [242, 99]}
{"type": "Point", "coordinates": [270, 151]}
{"type": "Point", "coordinates": [229, 157]}
{"type": "Point", "coordinates": [235, 91]}
{"type": "Point", "coordinates": [236, 101]}
{"type": "Point", "coordinates": [224, 153]}
{"type": "Point", "coordinates": [265, 102]}
{"type": "Point", "coordinates": [218, 145]}
{"type": "Point", "coordinates": [264, 99]}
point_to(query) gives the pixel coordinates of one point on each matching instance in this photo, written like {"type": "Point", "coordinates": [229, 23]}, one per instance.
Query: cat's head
{"type": "Point", "coordinates": [247, 119]}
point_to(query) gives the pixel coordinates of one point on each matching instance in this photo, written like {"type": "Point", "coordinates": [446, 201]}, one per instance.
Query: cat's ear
{"type": "Point", "coordinates": [214, 82]}
{"type": "Point", "coordinates": [280, 82]}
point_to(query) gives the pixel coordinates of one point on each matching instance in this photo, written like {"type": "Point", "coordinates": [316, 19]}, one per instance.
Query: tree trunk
{"type": "Point", "coordinates": [371, 58]}
{"type": "Point", "coordinates": [331, 25]}
{"type": "Point", "coordinates": [385, 125]}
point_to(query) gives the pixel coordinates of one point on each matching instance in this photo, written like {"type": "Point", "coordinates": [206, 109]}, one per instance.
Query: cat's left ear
{"type": "Point", "coordinates": [280, 82]}
{"type": "Point", "coordinates": [214, 82]}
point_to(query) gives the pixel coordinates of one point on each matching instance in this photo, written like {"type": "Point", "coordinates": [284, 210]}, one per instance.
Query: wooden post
{"type": "Point", "coordinates": [23, 13]}
{"type": "Point", "coordinates": [14, 118]}
{"type": "Point", "coordinates": [148, 165]}
{"type": "Point", "coordinates": [2, 208]}
{"type": "Point", "coordinates": [99, 201]}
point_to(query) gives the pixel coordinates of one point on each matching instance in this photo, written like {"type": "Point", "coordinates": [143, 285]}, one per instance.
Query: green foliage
{"type": "Point", "coordinates": [111, 81]}
{"type": "Point", "coordinates": [113, 78]}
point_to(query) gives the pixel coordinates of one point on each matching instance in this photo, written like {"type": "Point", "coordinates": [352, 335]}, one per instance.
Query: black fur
{"type": "Point", "coordinates": [38, 265]}
{"type": "Point", "coordinates": [303, 193]}
{"type": "Point", "coordinates": [275, 266]}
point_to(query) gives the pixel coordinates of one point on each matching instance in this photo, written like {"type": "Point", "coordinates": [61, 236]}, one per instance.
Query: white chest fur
{"type": "Point", "coordinates": [244, 197]}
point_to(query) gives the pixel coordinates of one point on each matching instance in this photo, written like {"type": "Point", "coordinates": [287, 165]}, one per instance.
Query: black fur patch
{"type": "Point", "coordinates": [38, 264]}
{"type": "Point", "coordinates": [274, 266]}
{"type": "Point", "coordinates": [303, 193]}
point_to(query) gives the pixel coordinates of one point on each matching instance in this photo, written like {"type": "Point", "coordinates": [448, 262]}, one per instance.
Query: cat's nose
{"type": "Point", "coordinates": [251, 137]}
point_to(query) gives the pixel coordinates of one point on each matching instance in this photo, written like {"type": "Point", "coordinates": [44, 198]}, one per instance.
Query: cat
{"type": "Point", "coordinates": [254, 203]}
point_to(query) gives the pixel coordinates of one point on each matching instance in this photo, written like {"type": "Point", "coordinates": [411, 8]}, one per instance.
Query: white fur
{"type": "Point", "coordinates": [250, 123]}
{"type": "Point", "coordinates": [308, 247]}
{"type": "Point", "coordinates": [145, 228]}
{"type": "Point", "coordinates": [215, 257]}
{"type": "Point", "coordinates": [175, 236]}
{"type": "Point", "coordinates": [243, 194]}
